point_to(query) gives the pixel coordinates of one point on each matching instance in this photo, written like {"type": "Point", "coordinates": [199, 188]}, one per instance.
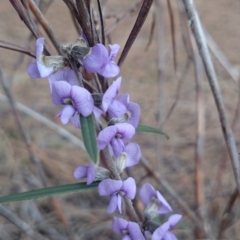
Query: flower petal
{"type": "Point", "coordinates": [129, 188]}
{"type": "Point", "coordinates": [114, 48]}
{"type": "Point", "coordinates": [111, 94]}
{"type": "Point", "coordinates": [108, 187]}
{"type": "Point", "coordinates": [106, 136]}
{"type": "Point", "coordinates": [66, 114]}
{"type": "Point", "coordinates": [119, 225]}
{"type": "Point", "coordinates": [113, 204]}
{"type": "Point", "coordinates": [39, 47]}
{"type": "Point", "coordinates": [111, 69]}
{"type": "Point", "coordinates": [164, 207]}
{"type": "Point", "coordinates": [60, 91]}
{"type": "Point", "coordinates": [174, 219]}
{"type": "Point", "coordinates": [33, 71]}
{"type": "Point", "coordinates": [116, 109]}
{"type": "Point", "coordinates": [134, 110]}
{"type": "Point", "coordinates": [43, 69]}
{"type": "Point", "coordinates": [91, 173]}
{"type": "Point", "coordinates": [97, 58]}
{"type": "Point", "coordinates": [135, 231]}
{"type": "Point", "coordinates": [80, 172]}
{"type": "Point", "coordinates": [169, 236]}
{"type": "Point", "coordinates": [146, 193]}
{"type": "Point", "coordinates": [160, 232]}
{"type": "Point", "coordinates": [82, 100]}
{"type": "Point", "coordinates": [75, 120]}
{"type": "Point", "coordinates": [119, 203]}
{"type": "Point", "coordinates": [125, 130]}
{"type": "Point", "coordinates": [117, 146]}
{"type": "Point", "coordinates": [133, 154]}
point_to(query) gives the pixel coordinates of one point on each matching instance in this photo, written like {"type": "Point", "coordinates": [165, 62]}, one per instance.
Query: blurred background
{"type": "Point", "coordinates": [173, 97]}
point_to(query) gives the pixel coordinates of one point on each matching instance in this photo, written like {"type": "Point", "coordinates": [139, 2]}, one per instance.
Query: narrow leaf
{"type": "Point", "coordinates": [143, 128]}
{"type": "Point", "coordinates": [48, 192]}
{"type": "Point", "coordinates": [89, 137]}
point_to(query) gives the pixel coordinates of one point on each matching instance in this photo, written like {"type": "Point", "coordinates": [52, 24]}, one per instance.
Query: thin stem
{"type": "Point", "coordinates": [213, 82]}
{"type": "Point", "coordinates": [44, 23]}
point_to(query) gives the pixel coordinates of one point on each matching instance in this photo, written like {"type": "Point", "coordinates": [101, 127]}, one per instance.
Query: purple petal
{"type": "Point", "coordinates": [33, 71]}
{"type": "Point", "coordinates": [60, 91]}
{"type": "Point", "coordinates": [119, 203]}
{"type": "Point", "coordinates": [75, 120]}
{"type": "Point", "coordinates": [108, 187]}
{"type": "Point", "coordinates": [106, 136]}
{"type": "Point", "coordinates": [129, 188]}
{"type": "Point", "coordinates": [39, 47]}
{"type": "Point", "coordinates": [97, 112]}
{"type": "Point", "coordinates": [125, 130]}
{"type": "Point", "coordinates": [117, 146]}
{"type": "Point", "coordinates": [160, 232]}
{"type": "Point", "coordinates": [119, 225]}
{"type": "Point", "coordinates": [133, 154]}
{"type": "Point", "coordinates": [80, 172]}
{"type": "Point", "coordinates": [111, 94]}
{"type": "Point", "coordinates": [134, 110]}
{"type": "Point", "coordinates": [164, 206]}
{"type": "Point", "coordinates": [91, 174]}
{"type": "Point", "coordinates": [124, 98]}
{"type": "Point", "coordinates": [135, 231]}
{"type": "Point", "coordinates": [67, 75]}
{"type": "Point", "coordinates": [146, 193]}
{"type": "Point", "coordinates": [116, 109]}
{"type": "Point", "coordinates": [82, 100]}
{"type": "Point", "coordinates": [97, 58]}
{"type": "Point", "coordinates": [111, 69]}
{"type": "Point", "coordinates": [66, 114]}
{"type": "Point", "coordinates": [44, 70]}
{"type": "Point", "coordinates": [174, 219]}
{"type": "Point", "coordinates": [113, 51]}
{"type": "Point", "coordinates": [113, 204]}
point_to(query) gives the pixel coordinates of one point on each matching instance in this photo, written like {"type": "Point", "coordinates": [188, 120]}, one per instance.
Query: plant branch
{"type": "Point", "coordinates": [198, 33]}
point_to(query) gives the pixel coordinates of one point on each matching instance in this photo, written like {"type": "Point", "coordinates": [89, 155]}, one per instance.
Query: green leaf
{"type": "Point", "coordinates": [48, 192]}
{"type": "Point", "coordinates": [89, 137]}
{"type": "Point", "coordinates": [143, 128]}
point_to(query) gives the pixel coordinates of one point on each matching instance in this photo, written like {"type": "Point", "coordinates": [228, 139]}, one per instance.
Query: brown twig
{"type": "Point", "coordinates": [136, 29]}
{"type": "Point", "coordinates": [16, 48]}
{"type": "Point", "coordinates": [44, 23]}
{"type": "Point", "coordinates": [213, 82]}
{"type": "Point", "coordinates": [199, 152]}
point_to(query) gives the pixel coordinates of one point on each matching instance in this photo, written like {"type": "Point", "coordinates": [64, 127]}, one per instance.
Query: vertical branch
{"type": "Point", "coordinates": [44, 23]}
{"type": "Point", "coordinates": [213, 82]}
{"type": "Point", "coordinates": [199, 188]}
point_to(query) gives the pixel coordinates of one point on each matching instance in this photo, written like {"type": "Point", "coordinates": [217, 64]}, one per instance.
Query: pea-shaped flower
{"type": "Point", "coordinates": [117, 189]}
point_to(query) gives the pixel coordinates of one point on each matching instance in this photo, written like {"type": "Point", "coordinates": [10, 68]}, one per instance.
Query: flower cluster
{"type": "Point", "coordinates": [68, 89]}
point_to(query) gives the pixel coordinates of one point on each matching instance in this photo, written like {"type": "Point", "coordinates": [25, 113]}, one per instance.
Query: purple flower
{"type": "Point", "coordinates": [66, 74]}
{"type": "Point", "coordinates": [91, 172]}
{"type": "Point", "coordinates": [109, 103]}
{"type": "Point", "coordinates": [114, 136]}
{"type": "Point", "coordinates": [102, 62]}
{"type": "Point", "coordinates": [133, 154]}
{"type": "Point", "coordinates": [116, 189]}
{"type": "Point", "coordinates": [38, 69]}
{"type": "Point", "coordinates": [74, 98]}
{"type": "Point", "coordinates": [132, 109]}
{"type": "Point", "coordinates": [88, 172]}
{"type": "Point", "coordinates": [163, 232]}
{"type": "Point", "coordinates": [129, 230]}
{"type": "Point", "coordinates": [149, 195]}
